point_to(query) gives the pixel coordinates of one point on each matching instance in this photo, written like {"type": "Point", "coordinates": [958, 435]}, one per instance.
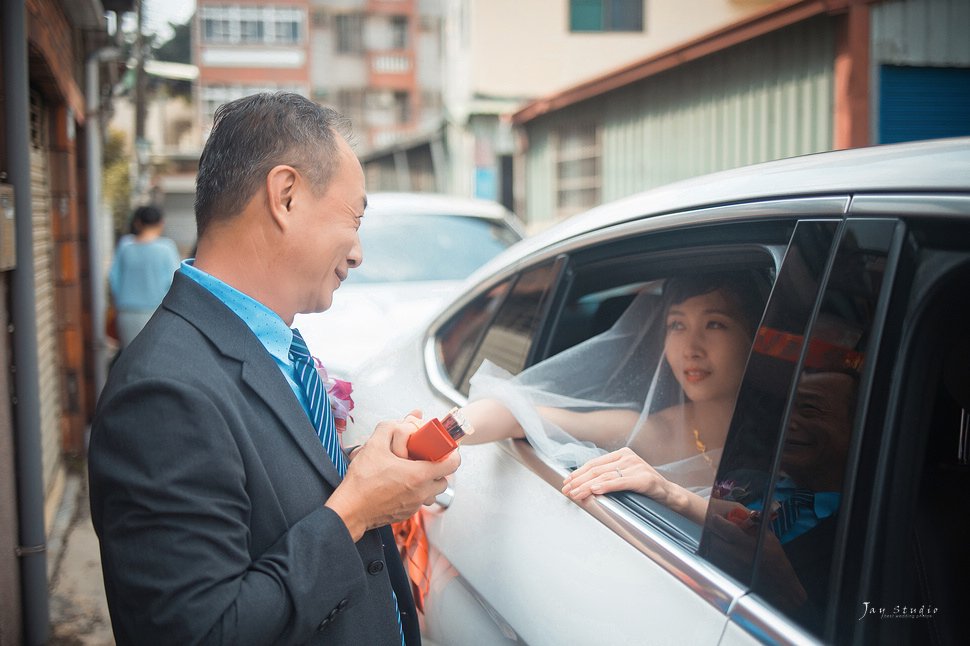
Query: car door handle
{"type": "Point", "coordinates": [445, 497]}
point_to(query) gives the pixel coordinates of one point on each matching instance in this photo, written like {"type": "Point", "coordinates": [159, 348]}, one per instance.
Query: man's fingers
{"type": "Point", "coordinates": [412, 420]}
{"type": "Point", "coordinates": [399, 439]}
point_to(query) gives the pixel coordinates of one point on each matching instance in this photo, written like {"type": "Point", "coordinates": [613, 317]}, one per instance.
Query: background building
{"type": "Point", "coordinates": [247, 46]}
{"type": "Point", "coordinates": [797, 77]}
{"type": "Point", "coordinates": [378, 63]}
{"type": "Point", "coordinates": [498, 54]}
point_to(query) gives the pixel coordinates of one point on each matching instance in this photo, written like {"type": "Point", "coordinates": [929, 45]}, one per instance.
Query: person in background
{"type": "Point", "coordinates": [134, 226]}
{"type": "Point", "coordinates": [141, 273]}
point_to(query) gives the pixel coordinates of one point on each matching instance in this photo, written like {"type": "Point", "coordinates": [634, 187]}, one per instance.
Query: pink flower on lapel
{"type": "Point", "coordinates": [338, 390]}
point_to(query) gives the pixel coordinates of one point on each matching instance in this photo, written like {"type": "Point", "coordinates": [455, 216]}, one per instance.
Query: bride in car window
{"type": "Point", "coordinates": [646, 402]}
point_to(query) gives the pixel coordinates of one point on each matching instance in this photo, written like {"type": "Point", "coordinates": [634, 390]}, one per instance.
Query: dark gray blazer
{"type": "Point", "coordinates": [207, 487]}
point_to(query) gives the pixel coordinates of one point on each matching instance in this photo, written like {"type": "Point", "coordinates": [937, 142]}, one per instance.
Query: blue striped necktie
{"type": "Point", "coordinates": [790, 510]}
{"type": "Point", "coordinates": [322, 417]}
{"type": "Point", "coordinates": [316, 395]}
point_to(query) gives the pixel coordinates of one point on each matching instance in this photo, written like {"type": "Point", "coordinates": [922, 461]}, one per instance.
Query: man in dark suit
{"type": "Point", "coordinates": [222, 516]}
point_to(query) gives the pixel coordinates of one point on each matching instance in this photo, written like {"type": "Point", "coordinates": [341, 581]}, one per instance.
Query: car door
{"type": "Point", "coordinates": [792, 437]}
{"type": "Point", "coordinates": [906, 548]}
{"type": "Point", "coordinates": [509, 550]}
{"type": "Point", "coordinates": [880, 373]}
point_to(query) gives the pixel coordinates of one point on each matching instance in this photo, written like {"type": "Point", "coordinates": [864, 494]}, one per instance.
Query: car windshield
{"type": "Point", "coordinates": [407, 248]}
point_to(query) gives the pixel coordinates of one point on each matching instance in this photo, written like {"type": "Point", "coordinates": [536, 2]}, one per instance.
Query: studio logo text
{"type": "Point", "coordinates": [923, 611]}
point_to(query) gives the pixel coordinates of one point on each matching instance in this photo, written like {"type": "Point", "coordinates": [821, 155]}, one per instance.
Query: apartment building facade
{"type": "Point", "coordinates": [246, 46]}
{"type": "Point", "coordinates": [375, 61]}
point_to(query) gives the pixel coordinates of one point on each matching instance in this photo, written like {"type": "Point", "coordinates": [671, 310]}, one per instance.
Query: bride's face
{"type": "Point", "coordinates": [706, 346]}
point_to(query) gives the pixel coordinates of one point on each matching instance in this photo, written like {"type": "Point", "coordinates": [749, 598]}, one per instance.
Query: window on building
{"type": "Point", "coordinates": [320, 19]}
{"type": "Point", "coordinates": [578, 177]}
{"type": "Point", "coordinates": [350, 103]}
{"type": "Point", "coordinates": [286, 26]}
{"type": "Point", "coordinates": [216, 26]}
{"type": "Point", "coordinates": [605, 15]}
{"type": "Point", "coordinates": [399, 32]}
{"type": "Point", "coordinates": [402, 107]}
{"type": "Point", "coordinates": [251, 25]}
{"type": "Point", "coordinates": [350, 33]}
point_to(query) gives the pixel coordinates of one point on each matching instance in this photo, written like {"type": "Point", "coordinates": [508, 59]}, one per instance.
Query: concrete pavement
{"type": "Point", "coordinates": [78, 610]}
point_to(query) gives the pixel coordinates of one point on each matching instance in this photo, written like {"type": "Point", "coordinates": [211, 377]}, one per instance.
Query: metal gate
{"type": "Point", "coordinates": [923, 103]}
{"type": "Point", "coordinates": [46, 312]}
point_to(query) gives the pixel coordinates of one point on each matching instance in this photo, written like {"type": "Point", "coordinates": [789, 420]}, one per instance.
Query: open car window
{"type": "Point", "coordinates": [500, 325]}
{"type": "Point", "coordinates": [603, 379]}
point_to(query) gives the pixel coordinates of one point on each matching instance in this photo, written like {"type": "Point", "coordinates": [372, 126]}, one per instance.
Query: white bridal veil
{"type": "Point", "coordinates": [621, 368]}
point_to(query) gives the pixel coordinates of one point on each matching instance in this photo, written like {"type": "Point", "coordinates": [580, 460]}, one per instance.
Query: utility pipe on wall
{"type": "Point", "coordinates": [30, 480]}
{"type": "Point", "coordinates": [95, 211]}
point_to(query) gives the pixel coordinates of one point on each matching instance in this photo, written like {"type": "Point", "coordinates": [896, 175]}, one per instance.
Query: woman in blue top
{"type": "Point", "coordinates": [142, 273]}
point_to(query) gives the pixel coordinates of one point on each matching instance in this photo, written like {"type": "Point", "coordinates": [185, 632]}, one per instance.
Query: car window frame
{"type": "Point", "coordinates": [716, 588]}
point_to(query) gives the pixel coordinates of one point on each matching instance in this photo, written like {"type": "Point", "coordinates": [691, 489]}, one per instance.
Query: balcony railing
{"type": "Point", "coordinates": [393, 70]}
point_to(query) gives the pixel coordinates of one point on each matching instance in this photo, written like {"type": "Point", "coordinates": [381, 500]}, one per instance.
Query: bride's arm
{"type": "Point", "coordinates": [624, 470]}
{"type": "Point", "coordinates": [493, 421]}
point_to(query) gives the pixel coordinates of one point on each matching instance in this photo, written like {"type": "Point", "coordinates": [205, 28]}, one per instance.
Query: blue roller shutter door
{"type": "Point", "coordinates": [923, 103]}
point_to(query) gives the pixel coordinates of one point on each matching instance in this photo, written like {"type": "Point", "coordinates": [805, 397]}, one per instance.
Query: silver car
{"type": "Point", "coordinates": [868, 256]}
{"type": "Point", "coordinates": [418, 248]}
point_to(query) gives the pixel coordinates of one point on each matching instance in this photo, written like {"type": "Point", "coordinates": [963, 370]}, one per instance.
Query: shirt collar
{"type": "Point", "coordinates": [269, 328]}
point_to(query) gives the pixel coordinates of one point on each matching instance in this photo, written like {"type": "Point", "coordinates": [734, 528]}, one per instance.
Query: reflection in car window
{"type": "Point", "coordinates": [460, 336]}
{"type": "Point", "coordinates": [750, 447]}
{"type": "Point", "coordinates": [808, 490]}
{"type": "Point", "coordinates": [404, 248]}
{"type": "Point", "coordinates": [787, 514]}
{"type": "Point", "coordinates": [510, 336]}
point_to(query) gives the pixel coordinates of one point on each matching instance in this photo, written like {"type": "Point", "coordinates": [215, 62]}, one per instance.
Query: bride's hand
{"type": "Point", "coordinates": [621, 470]}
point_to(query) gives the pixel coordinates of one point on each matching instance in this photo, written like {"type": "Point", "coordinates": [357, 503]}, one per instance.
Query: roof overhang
{"type": "Point", "coordinates": [778, 16]}
{"type": "Point", "coordinates": [405, 144]}
{"type": "Point", "coordinates": [89, 14]}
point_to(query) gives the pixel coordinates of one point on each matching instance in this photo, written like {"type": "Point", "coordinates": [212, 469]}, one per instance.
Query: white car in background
{"type": "Point", "coordinates": [869, 254]}
{"type": "Point", "coordinates": [418, 248]}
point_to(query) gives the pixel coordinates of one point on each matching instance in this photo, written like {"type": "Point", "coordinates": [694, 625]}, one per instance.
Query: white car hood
{"type": "Point", "coordinates": [365, 318]}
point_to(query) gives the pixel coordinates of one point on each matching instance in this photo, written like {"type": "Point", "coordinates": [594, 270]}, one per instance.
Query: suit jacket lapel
{"type": "Point", "coordinates": [234, 339]}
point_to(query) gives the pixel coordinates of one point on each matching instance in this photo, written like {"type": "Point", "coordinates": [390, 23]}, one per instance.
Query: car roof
{"type": "Point", "coordinates": [941, 165]}
{"type": "Point", "coordinates": [404, 203]}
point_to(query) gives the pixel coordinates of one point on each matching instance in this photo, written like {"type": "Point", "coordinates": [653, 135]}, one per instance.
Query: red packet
{"type": "Point", "coordinates": [437, 438]}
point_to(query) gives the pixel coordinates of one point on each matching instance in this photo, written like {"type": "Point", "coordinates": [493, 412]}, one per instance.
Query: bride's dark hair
{"type": "Point", "coordinates": [747, 291]}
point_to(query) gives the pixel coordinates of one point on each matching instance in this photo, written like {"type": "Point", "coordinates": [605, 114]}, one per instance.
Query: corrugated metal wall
{"type": "Point", "coordinates": [924, 35]}
{"type": "Point", "coordinates": [540, 168]}
{"type": "Point", "coordinates": [765, 99]}
{"type": "Point", "coordinates": [921, 32]}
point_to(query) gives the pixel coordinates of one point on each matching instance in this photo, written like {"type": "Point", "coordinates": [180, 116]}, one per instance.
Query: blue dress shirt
{"type": "Point", "coordinates": [269, 328]}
